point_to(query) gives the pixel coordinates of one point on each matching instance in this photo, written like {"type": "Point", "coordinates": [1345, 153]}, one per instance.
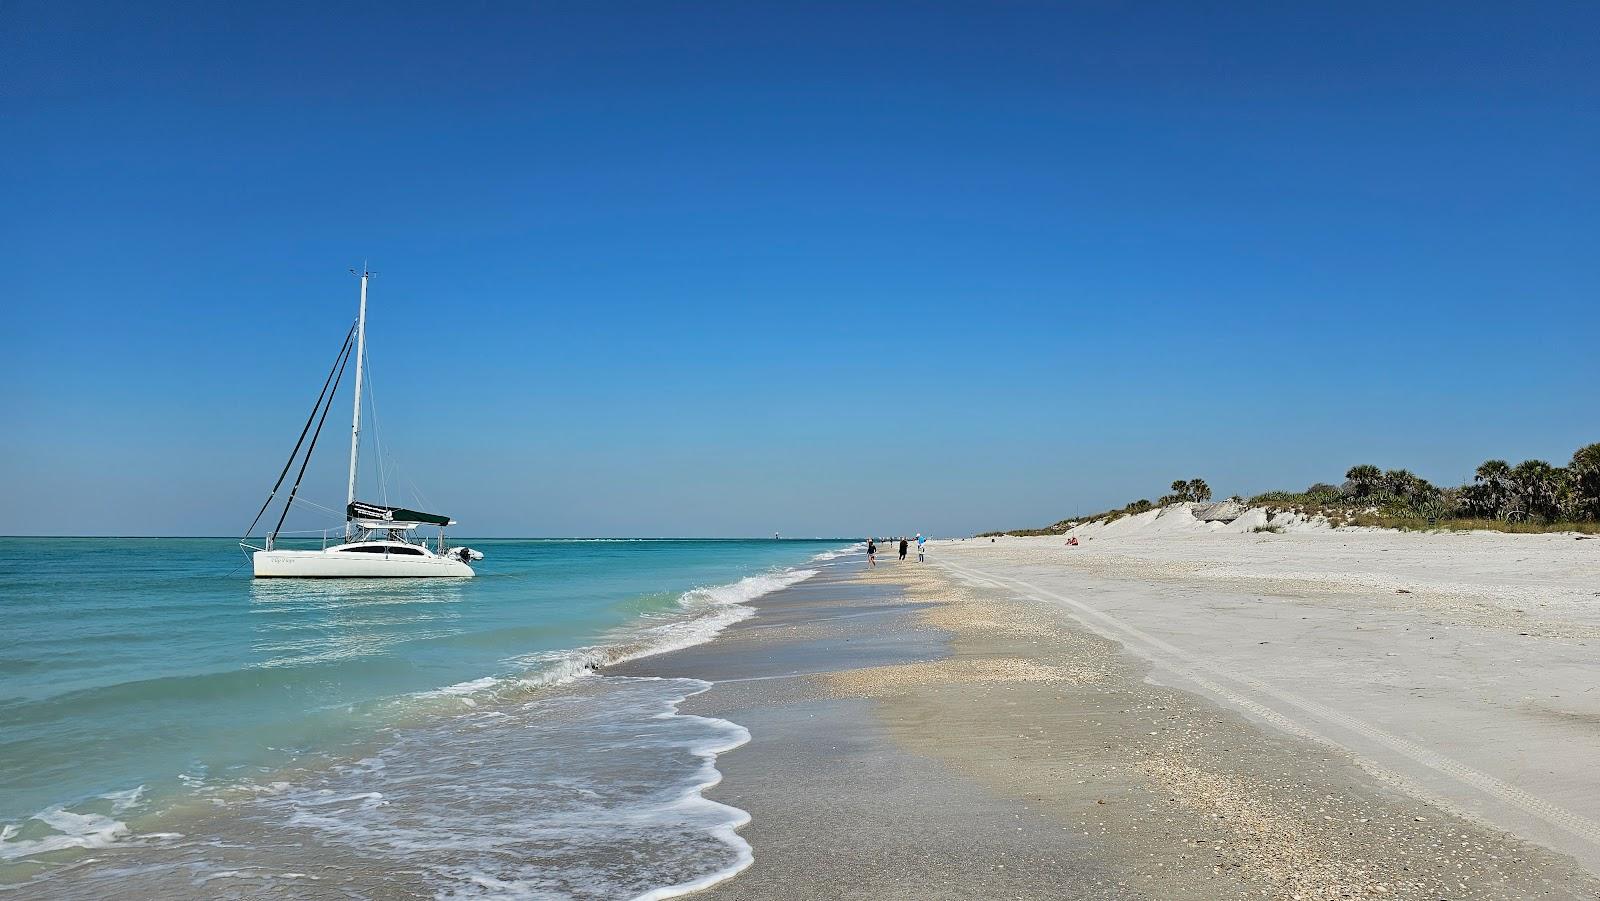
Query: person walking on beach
{"type": "Point", "coordinates": [872, 552]}
{"type": "Point", "coordinates": [903, 545]}
{"type": "Point", "coordinates": [920, 542]}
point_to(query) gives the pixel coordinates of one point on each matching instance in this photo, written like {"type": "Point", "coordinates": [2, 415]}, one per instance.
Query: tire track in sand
{"type": "Point", "coordinates": [1191, 667]}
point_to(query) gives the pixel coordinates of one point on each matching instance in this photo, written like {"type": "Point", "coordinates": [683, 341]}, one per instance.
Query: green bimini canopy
{"type": "Point", "coordinates": [364, 510]}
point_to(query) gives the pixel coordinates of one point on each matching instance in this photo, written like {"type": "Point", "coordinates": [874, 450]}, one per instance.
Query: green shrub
{"type": "Point", "coordinates": [1533, 496]}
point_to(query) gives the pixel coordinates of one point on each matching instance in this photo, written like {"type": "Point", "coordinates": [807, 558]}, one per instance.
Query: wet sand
{"type": "Point", "coordinates": [840, 809]}
{"type": "Point", "coordinates": [917, 737]}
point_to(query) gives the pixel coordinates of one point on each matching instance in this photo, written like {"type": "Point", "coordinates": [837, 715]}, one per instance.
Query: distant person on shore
{"type": "Point", "coordinates": [872, 552]}
{"type": "Point", "coordinates": [903, 545]}
{"type": "Point", "coordinates": [920, 542]}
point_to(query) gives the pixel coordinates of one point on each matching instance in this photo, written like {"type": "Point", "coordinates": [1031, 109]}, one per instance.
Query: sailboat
{"type": "Point", "coordinates": [379, 541]}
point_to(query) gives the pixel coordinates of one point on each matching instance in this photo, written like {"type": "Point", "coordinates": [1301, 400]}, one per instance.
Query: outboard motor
{"type": "Point", "coordinates": [467, 554]}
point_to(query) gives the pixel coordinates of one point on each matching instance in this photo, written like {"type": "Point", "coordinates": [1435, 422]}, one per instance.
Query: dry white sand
{"type": "Point", "coordinates": [1464, 668]}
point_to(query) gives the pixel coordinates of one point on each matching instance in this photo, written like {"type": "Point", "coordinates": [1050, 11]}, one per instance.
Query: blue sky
{"type": "Point", "coordinates": [729, 269]}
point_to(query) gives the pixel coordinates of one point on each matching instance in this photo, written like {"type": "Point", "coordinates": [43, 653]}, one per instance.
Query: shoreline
{"type": "Point", "coordinates": [953, 709]}
{"type": "Point", "coordinates": [483, 734]}
{"type": "Point", "coordinates": [1146, 715]}
{"type": "Point", "coordinates": [838, 808]}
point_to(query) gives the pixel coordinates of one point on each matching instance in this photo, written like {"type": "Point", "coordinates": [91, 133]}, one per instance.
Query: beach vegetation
{"type": "Point", "coordinates": [1361, 482]}
{"type": "Point", "coordinates": [1186, 491]}
{"type": "Point", "coordinates": [1323, 493]}
{"type": "Point", "coordinates": [1532, 496]}
{"type": "Point", "coordinates": [1539, 489]}
{"type": "Point", "coordinates": [1420, 524]}
{"type": "Point", "coordinates": [1583, 483]}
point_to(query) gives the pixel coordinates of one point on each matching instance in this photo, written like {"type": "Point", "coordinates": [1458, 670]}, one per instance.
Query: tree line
{"type": "Point", "coordinates": [1533, 492]}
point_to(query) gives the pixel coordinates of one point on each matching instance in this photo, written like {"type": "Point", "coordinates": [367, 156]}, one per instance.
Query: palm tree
{"type": "Point", "coordinates": [1490, 491]}
{"type": "Point", "coordinates": [1405, 485]}
{"type": "Point", "coordinates": [1493, 469]}
{"type": "Point", "coordinates": [1198, 490]}
{"type": "Point", "coordinates": [1538, 488]}
{"type": "Point", "coordinates": [1362, 481]}
{"type": "Point", "coordinates": [1583, 480]}
{"type": "Point", "coordinates": [1180, 489]}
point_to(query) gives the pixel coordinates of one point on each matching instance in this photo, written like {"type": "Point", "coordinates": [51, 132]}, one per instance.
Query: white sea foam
{"type": "Point", "coordinates": [58, 827]}
{"type": "Point", "coordinates": [714, 609]}
{"type": "Point", "coordinates": [701, 614]}
{"type": "Point", "coordinates": [857, 548]}
{"type": "Point", "coordinates": [221, 874]}
{"type": "Point", "coordinates": [66, 829]}
{"type": "Point", "coordinates": [596, 791]}
{"type": "Point", "coordinates": [123, 800]}
{"type": "Point", "coordinates": [462, 688]}
{"type": "Point", "coordinates": [593, 793]}
{"type": "Point", "coordinates": [726, 831]}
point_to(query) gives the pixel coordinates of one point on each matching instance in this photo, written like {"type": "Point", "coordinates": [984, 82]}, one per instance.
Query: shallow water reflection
{"type": "Point", "coordinates": [305, 621]}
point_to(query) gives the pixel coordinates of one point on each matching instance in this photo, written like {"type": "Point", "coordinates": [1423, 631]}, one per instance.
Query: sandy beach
{"type": "Point", "coordinates": [440, 439]}
{"type": "Point", "coordinates": [1169, 712]}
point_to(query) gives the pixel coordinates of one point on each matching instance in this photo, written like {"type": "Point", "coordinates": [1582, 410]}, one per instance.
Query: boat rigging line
{"type": "Point", "coordinates": [337, 366]}
{"type": "Point", "coordinates": [345, 358]}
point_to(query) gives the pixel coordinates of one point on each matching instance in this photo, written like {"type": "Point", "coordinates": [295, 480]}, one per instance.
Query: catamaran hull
{"type": "Point", "coordinates": [323, 565]}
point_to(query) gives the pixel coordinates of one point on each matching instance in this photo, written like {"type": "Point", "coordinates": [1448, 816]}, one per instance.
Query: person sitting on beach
{"type": "Point", "coordinates": [872, 552]}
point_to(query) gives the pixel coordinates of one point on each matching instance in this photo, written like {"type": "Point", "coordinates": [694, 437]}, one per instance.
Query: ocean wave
{"type": "Point", "coordinates": [494, 703]}
{"type": "Point", "coordinates": [592, 826]}
{"type": "Point", "coordinates": [594, 792]}
{"type": "Point", "coordinates": [700, 615]}
{"type": "Point", "coordinates": [857, 548]}
{"type": "Point", "coordinates": [66, 829]}
{"type": "Point", "coordinates": [56, 828]}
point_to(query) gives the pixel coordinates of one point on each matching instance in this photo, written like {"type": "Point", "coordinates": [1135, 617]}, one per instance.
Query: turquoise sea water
{"type": "Point", "coordinates": [144, 679]}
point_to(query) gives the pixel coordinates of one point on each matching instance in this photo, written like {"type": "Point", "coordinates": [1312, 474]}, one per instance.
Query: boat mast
{"type": "Point", "coordinates": [355, 422]}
